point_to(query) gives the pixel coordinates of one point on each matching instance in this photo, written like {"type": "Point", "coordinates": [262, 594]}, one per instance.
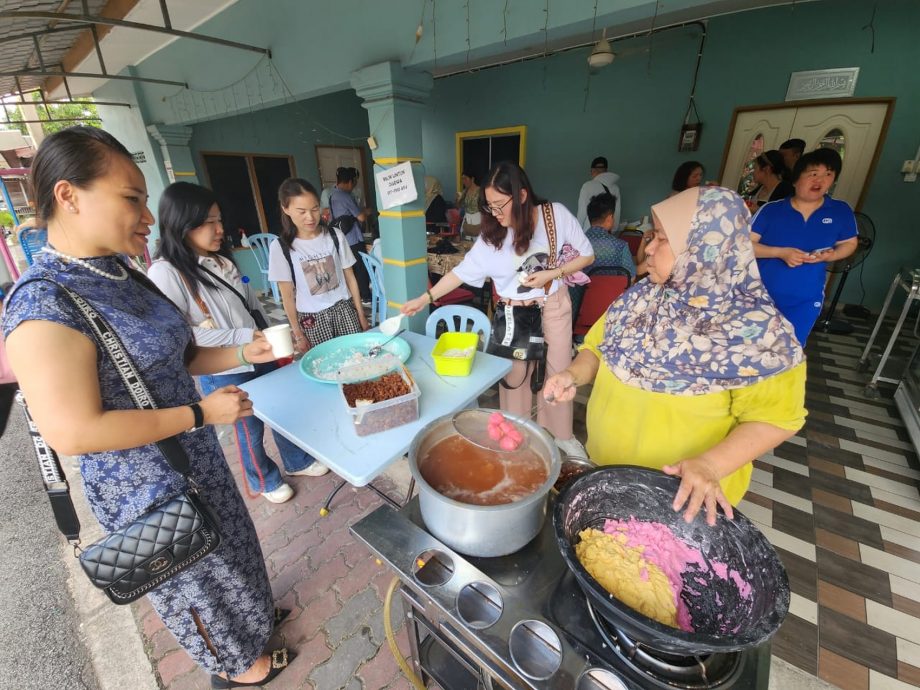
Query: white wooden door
{"type": "Point", "coordinates": [854, 129]}
{"type": "Point", "coordinates": [756, 131]}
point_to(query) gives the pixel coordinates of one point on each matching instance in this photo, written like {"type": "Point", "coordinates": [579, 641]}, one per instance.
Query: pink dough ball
{"type": "Point", "coordinates": [495, 433]}
{"type": "Point", "coordinates": [516, 436]}
{"type": "Point", "coordinates": [508, 443]}
{"type": "Point", "coordinates": [496, 418]}
{"type": "Point", "coordinates": [507, 427]}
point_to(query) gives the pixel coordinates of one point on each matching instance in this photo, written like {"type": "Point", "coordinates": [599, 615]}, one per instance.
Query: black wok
{"type": "Point", "coordinates": [723, 620]}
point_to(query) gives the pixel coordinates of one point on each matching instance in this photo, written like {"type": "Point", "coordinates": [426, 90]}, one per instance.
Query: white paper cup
{"type": "Point", "coordinates": [279, 337]}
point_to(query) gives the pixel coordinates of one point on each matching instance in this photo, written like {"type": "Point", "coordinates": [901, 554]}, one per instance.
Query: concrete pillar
{"type": "Point", "coordinates": [177, 157]}
{"type": "Point", "coordinates": [30, 112]}
{"type": "Point", "coordinates": [395, 98]}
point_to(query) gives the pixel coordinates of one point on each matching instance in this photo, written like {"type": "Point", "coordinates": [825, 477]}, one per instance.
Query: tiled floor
{"type": "Point", "coordinates": [839, 501]}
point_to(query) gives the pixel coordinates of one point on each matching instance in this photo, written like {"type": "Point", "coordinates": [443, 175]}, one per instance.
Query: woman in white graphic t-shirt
{"type": "Point", "coordinates": [512, 239]}
{"type": "Point", "coordinates": [312, 264]}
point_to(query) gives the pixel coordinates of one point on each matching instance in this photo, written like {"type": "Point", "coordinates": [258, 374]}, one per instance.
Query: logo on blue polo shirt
{"type": "Point", "coordinates": [827, 221]}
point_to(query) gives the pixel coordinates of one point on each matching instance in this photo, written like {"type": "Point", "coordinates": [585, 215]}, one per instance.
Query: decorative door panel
{"type": "Point", "coordinates": [755, 131]}
{"type": "Point", "coordinates": [853, 130]}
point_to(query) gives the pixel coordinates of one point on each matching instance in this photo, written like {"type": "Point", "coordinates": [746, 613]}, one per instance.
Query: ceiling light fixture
{"type": "Point", "coordinates": [601, 55]}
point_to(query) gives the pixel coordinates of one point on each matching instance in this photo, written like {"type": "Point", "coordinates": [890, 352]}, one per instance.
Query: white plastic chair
{"type": "Point", "coordinates": [470, 318]}
{"type": "Point", "coordinates": [260, 244]}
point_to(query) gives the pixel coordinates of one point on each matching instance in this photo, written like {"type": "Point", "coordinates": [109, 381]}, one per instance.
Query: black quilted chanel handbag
{"type": "Point", "coordinates": [163, 541]}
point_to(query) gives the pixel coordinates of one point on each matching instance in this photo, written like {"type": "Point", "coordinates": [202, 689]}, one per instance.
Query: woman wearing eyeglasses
{"type": "Point", "coordinates": [513, 237]}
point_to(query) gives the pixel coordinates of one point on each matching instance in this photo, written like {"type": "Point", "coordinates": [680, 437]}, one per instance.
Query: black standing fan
{"type": "Point", "coordinates": [865, 240]}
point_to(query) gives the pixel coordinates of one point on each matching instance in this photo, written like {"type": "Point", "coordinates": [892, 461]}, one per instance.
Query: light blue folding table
{"type": "Point", "coordinates": [313, 416]}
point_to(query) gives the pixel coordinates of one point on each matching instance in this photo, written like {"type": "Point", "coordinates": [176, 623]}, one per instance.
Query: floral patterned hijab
{"type": "Point", "coordinates": [711, 326]}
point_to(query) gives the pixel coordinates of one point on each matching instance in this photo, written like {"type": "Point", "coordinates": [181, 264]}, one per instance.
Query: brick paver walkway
{"type": "Point", "coordinates": [331, 582]}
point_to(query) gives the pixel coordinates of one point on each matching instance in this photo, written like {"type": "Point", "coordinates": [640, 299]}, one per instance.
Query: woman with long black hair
{"type": "Point", "coordinates": [195, 269]}
{"type": "Point", "coordinates": [513, 250]}
{"type": "Point", "coordinates": [312, 264]}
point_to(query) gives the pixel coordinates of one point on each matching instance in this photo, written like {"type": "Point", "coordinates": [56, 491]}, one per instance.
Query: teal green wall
{"type": "Point", "coordinates": [635, 108]}
{"type": "Point", "coordinates": [317, 45]}
{"type": "Point", "coordinates": [294, 129]}
{"type": "Point", "coordinates": [818, 36]}
{"type": "Point", "coordinates": [632, 117]}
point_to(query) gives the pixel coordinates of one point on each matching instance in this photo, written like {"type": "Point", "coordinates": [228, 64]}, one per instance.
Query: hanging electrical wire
{"type": "Point", "coordinates": [468, 34]}
{"type": "Point", "coordinates": [298, 104]}
{"type": "Point", "coordinates": [651, 34]}
{"type": "Point", "coordinates": [871, 27]}
{"type": "Point", "coordinates": [434, 31]}
{"type": "Point", "coordinates": [696, 75]}
{"type": "Point", "coordinates": [545, 41]}
{"type": "Point", "coordinates": [584, 106]}
{"type": "Point", "coordinates": [419, 32]}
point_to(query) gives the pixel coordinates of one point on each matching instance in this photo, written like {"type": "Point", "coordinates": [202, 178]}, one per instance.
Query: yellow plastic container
{"type": "Point", "coordinates": [455, 366]}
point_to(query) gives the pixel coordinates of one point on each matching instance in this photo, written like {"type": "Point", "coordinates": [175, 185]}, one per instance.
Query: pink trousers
{"type": "Point", "coordinates": [557, 331]}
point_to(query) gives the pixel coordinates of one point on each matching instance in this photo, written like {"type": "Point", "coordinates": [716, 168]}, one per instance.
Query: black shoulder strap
{"type": "Point", "coordinates": [228, 285]}
{"type": "Point", "coordinates": [110, 342]}
{"type": "Point", "coordinates": [287, 255]}
{"type": "Point", "coordinates": [606, 189]}
{"type": "Point", "coordinates": [55, 484]}
{"type": "Point", "coordinates": [335, 239]}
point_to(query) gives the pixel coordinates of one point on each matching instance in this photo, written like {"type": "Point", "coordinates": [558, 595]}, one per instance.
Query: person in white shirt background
{"type": "Point", "coordinates": [513, 234]}
{"type": "Point", "coordinates": [602, 182]}
{"type": "Point", "coordinates": [195, 270]}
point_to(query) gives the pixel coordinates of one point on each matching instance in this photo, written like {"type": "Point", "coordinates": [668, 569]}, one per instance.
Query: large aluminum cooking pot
{"type": "Point", "coordinates": [483, 530]}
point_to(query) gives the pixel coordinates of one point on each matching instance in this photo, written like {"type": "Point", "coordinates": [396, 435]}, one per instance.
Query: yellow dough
{"type": "Point", "coordinates": [624, 572]}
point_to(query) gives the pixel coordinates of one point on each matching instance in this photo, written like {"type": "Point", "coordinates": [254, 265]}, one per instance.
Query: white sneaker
{"type": "Point", "coordinates": [280, 495]}
{"type": "Point", "coordinates": [572, 447]}
{"type": "Point", "coordinates": [317, 469]}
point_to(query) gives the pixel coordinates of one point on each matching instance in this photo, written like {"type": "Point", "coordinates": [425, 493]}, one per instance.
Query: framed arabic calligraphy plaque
{"type": "Point", "coordinates": [822, 83]}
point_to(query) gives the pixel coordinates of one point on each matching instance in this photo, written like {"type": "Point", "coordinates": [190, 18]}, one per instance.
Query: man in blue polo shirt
{"type": "Point", "coordinates": [349, 218]}
{"type": "Point", "coordinates": [795, 237]}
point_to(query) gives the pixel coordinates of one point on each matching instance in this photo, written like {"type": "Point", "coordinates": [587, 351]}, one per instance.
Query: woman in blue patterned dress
{"type": "Point", "coordinates": [93, 198]}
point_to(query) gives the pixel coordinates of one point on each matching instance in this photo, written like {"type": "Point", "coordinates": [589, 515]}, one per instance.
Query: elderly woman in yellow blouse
{"type": "Point", "coordinates": [695, 371]}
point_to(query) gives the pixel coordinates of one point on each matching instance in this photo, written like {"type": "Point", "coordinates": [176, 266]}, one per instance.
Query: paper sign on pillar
{"type": "Point", "coordinates": [396, 185]}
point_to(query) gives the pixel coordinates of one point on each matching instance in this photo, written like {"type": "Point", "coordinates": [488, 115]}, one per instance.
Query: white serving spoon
{"type": "Point", "coordinates": [390, 326]}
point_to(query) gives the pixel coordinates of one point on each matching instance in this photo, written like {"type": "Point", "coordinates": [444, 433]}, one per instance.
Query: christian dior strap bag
{"type": "Point", "coordinates": [161, 542]}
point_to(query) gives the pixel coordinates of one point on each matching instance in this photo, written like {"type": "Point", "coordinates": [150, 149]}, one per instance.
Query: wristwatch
{"type": "Point", "coordinates": [199, 417]}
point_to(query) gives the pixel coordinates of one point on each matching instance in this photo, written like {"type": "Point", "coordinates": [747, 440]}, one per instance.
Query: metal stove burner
{"type": "Point", "coordinates": [702, 672]}
{"type": "Point", "coordinates": [522, 621]}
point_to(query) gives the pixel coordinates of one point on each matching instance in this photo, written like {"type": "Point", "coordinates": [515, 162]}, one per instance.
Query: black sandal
{"type": "Point", "coordinates": [281, 659]}
{"type": "Point", "coordinates": [280, 615]}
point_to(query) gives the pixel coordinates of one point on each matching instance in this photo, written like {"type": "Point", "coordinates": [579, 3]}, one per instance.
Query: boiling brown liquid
{"type": "Point", "coordinates": [463, 471]}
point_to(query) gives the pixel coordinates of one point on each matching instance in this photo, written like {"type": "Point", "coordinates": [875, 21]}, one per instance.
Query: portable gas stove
{"type": "Point", "coordinates": [522, 621]}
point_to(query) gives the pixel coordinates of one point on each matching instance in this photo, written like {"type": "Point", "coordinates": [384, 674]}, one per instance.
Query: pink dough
{"type": "Point", "coordinates": [508, 443]}
{"type": "Point", "coordinates": [673, 556]}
